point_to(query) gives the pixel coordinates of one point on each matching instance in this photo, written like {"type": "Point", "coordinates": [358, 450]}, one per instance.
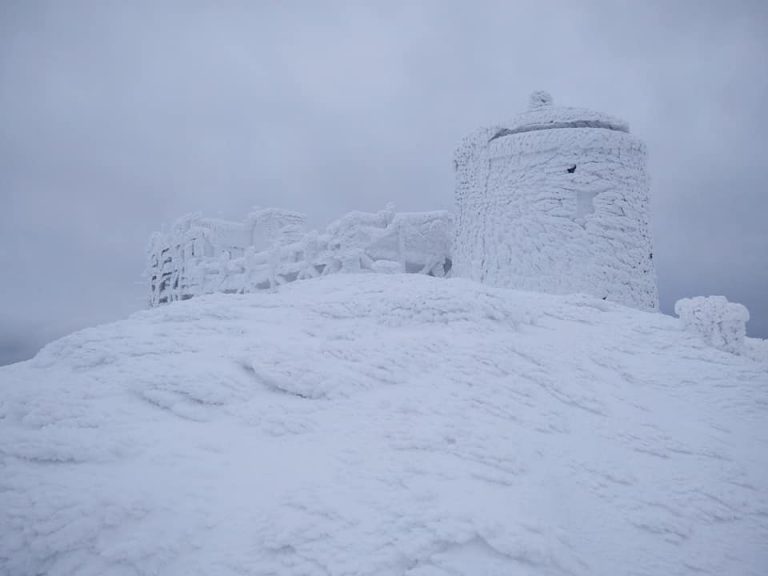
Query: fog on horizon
{"type": "Point", "coordinates": [118, 117]}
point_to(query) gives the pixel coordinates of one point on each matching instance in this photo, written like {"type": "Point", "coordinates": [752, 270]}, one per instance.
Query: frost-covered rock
{"type": "Point", "coordinates": [556, 200]}
{"type": "Point", "coordinates": [203, 255]}
{"type": "Point", "coordinates": [722, 324]}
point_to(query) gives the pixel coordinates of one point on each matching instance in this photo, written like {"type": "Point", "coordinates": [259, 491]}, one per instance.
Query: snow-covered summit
{"type": "Point", "coordinates": [385, 424]}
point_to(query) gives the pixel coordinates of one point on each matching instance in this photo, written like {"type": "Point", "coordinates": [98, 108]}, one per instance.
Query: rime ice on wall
{"type": "Point", "coordinates": [720, 323]}
{"type": "Point", "coordinates": [196, 255]}
{"type": "Point", "coordinates": [556, 201]}
{"type": "Point", "coordinates": [203, 255]}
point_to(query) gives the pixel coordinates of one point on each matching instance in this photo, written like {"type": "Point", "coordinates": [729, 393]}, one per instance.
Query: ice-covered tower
{"type": "Point", "coordinates": [556, 200]}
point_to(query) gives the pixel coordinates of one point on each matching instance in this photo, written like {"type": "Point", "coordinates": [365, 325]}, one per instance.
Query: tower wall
{"type": "Point", "coordinates": [560, 210]}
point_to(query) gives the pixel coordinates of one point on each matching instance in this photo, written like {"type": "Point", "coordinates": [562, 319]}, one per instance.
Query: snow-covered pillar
{"type": "Point", "coordinates": [556, 200]}
{"type": "Point", "coordinates": [720, 323]}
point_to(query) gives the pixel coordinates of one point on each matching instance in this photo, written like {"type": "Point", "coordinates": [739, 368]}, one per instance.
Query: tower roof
{"type": "Point", "coordinates": [542, 114]}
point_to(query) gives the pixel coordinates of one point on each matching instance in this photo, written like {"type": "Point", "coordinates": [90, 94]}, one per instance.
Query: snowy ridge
{"type": "Point", "coordinates": [385, 424]}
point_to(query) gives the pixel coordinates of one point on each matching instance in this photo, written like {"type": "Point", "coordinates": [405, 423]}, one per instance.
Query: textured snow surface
{"type": "Point", "coordinates": [556, 200]}
{"type": "Point", "coordinates": [385, 424]}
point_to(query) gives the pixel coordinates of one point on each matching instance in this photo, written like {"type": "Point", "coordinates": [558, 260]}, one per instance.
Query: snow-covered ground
{"type": "Point", "coordinates": [385, 424]}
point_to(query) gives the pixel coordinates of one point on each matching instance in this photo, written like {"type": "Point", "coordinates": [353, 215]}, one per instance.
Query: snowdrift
{"type": "Point", "coordinates": [385, 424]}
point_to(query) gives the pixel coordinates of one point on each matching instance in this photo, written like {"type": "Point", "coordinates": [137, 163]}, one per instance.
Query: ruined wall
{"type": "Point", "coordinates": [271, 247]}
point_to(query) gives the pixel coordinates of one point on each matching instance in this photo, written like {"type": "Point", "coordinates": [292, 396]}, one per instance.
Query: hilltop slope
{"type": "Point", "coordinates": [375, 424]}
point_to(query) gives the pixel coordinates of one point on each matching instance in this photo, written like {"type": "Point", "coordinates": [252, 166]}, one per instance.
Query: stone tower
{"type": "Point", "coordinates": [556, 200]}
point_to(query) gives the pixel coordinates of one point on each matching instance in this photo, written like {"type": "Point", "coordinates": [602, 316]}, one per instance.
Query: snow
{"type": "Point", "coordinates": [202, 255]}
{"type": "Point", "coordinates": [539, 99]}
{"type": "Point", "coordinates": [722, 324]}
{"type": "Point", "coordinates": [378, 424]}
{"type": "Point", "coordinates": [556, 200]}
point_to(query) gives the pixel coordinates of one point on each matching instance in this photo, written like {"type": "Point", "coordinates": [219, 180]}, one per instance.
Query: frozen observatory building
{"type": "Point", "coordinates": [556, 200]}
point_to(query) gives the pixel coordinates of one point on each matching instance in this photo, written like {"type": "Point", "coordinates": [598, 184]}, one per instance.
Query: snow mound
{"type": "Point", "coordinates": [384, 424]}
{"type": "Point", "coordinates": [722, 324]}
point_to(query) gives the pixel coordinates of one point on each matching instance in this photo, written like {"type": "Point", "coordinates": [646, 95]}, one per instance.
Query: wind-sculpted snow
{"type": "Point", "coordinates": [385, 424]}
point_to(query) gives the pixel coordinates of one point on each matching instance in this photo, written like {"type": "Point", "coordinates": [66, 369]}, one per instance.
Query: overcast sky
{"type": "Point", "coordinates": [119, 116]}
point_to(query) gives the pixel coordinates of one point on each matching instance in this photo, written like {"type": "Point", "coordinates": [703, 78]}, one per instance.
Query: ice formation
{"type": "Point", "coordinates": [202, 255]}
{"type": "Point", "coordinates": [556, 200]}
{"type": "Point", "coordinates": [720, 323]}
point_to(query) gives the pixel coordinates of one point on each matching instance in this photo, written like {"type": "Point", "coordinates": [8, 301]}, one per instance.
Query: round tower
{"type": "Point", "coordinates": [556, 200]}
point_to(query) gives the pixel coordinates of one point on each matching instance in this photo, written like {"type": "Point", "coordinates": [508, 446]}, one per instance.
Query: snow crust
{"type": "Point", "coordinates": [385, 424]}
{"type": "Point", "coordinates": [202, 255]}
{"type": "Point", "coordinates": [556, 200]}
{"type": "Point", "coordinates": [722, 324]}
